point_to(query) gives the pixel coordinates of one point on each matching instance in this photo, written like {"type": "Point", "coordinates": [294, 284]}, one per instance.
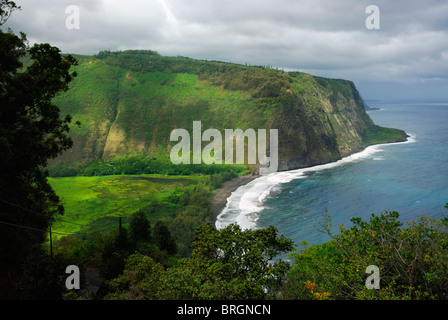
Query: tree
{"type": "Point", "coordinates": [6, 8]}
{"type": "Point", "coordinates": [44, 276]}
{"type": "Point", "coordinates": [31, 132]}
{"type": "Point", "coordinates": [229, 264]}
{"type": "Point", "coordinates": [225, 264]}
{"type": "Point", "coordinates": [163, 238]}
{"type": "Point", "coordinates": [139, 280]}
{"type": "Point", "coordinates": [140, 228]}
{"type": "Point", "coordinates": [115, 253]}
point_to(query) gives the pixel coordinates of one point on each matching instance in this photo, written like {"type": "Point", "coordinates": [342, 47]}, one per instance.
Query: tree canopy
{"type": "Point", "coordinates": [225, 264]}
{"type": "Point", "coordinates": [31, 132]}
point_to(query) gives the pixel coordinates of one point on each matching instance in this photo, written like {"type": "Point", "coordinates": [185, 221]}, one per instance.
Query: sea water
{"type": "Point", "coordinates": [410, 178]}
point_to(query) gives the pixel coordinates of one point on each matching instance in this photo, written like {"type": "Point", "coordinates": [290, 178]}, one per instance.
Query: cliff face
{"type": "Point", "coordinates": [129, 102]}
{"type": "Point", "coordinates": [324, 122]}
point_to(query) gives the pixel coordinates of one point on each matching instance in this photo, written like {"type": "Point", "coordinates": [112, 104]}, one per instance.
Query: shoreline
{"type": "Point", "coordinates": [220, 195]}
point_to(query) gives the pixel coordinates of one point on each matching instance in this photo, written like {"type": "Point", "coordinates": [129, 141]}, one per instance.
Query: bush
{"type": "Point", "coordinates": [413, 261]}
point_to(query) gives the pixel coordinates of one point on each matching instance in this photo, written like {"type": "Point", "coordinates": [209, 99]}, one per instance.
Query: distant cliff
{"type": "Point", "coordinates": [129, 102]}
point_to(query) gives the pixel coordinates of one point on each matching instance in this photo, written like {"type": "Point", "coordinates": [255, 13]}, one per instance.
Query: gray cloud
{"type": "Point", "coordinates": [323, 37]}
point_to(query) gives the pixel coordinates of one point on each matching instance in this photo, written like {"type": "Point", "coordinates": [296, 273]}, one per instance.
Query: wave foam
{"type": "Point", "coordinates": [247, 201]}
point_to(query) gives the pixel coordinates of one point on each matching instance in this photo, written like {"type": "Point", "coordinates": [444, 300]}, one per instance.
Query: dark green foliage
{"type": "Point", "coordinates": [44, 276]}
{"type": "Point", "coordinates": [241, 264]}
{"type": "Point", "coordinates": [142, 238]}
{"type": "Point", "coordinates": [115, 254]}
{"type": "Point", "coordinates": [31, 132]}
{"type": "Point", "coordinates": [259, 81]}
{"type": "Point", "coordinates": [194, 210]}
{"type": "Point", "coordinates": [237, 264]}
{"type": "Point", "coordinates": [104, 54]}
{"type": "Point", "coordinates": [163, 238]}
{"type": "Point", "coordinates": [412, 261]}
{"type": "Point", "coordinates": [139, 164]}
{"type": "Point", "coordinates": [226, 264]}
{"type": "Point", "coordinates": [140, 227]}
{"type": "Point", "coordinates": [139, 280]}
{"type": "Point", "coordinates": [85, 251]}
{"type": "Point", "coordinates": [217, 179]}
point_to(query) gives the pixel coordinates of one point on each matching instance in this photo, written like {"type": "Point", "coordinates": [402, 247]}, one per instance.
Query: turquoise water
{"type": "Point", "coordinates": [410, 178]}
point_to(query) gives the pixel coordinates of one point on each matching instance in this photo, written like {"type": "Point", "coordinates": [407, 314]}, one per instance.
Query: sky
{"type": "Point", "coordinates": [405, 57]}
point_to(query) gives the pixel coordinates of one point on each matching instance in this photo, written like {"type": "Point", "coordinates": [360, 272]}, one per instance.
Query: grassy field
{"type": "Point", "coordinates": [96, 203]}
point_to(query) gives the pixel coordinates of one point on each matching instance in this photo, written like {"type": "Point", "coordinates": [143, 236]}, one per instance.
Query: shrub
{"type": "Point", "coordinates": [412, 261]}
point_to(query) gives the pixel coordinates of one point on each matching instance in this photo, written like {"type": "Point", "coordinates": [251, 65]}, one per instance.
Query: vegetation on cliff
{"type": "Point", "coordinates": [129, 102]}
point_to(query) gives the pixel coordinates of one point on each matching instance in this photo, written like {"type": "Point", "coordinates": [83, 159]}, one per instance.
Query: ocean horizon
{"type": "Point", "coordinates": [406, 177]}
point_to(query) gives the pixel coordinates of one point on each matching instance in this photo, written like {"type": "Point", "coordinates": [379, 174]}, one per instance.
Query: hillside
{"type": "Point", "coordinates": [129, 102]}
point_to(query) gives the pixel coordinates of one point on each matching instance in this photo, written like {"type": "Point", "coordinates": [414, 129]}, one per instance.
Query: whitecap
{"type": "Point", "coordinates": [246, 202]}
{"type": "Point", "coordinates": [411, 138]}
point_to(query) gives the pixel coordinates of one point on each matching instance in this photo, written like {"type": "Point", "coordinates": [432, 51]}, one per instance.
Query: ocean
{"type": "Point", "coordinates": [410, 178]}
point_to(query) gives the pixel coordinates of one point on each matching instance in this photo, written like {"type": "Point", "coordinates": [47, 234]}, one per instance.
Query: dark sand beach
{"type": "Point", "coordinates": [221, 194]}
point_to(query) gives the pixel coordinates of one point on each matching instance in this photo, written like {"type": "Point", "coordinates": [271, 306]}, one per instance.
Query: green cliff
{"type": "Point", "coordinates": [129, 102]}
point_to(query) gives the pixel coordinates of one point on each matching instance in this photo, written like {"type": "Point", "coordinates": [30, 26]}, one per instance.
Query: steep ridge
{"type": "Point", "coordinates": [129, 102]}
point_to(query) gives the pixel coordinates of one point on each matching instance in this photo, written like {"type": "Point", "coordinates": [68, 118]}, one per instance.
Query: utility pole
{"type": "Point", "coordinates": [51, 244]}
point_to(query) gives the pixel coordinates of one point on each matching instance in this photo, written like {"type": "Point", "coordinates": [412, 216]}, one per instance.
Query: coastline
{"type": "Point", "coordinates": [220, 195]}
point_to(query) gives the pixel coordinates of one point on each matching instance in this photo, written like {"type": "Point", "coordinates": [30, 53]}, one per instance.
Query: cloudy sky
{"type": "Point", "coordinates": [406, 58]}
